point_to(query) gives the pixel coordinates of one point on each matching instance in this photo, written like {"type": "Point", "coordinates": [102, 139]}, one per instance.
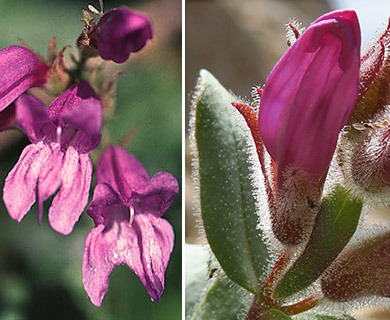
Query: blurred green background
{"type": "Point", "coordinates": [40, 270]}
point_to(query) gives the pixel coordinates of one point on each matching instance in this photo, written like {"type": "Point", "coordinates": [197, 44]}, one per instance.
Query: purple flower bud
{"type": "Point", "coordinates": [374, 93]}
{"type": "Point", "coordinates": [119, 32]}
{"type": "Point", "coordinates": [307, 99]}
{"type": "Point", "coordinates": [310, 94]}
{"type": "Point", "coordinates": [20, 69]}
{"type": "Point", "coordinates": [361, 271]}
{"type": "Point", "coordinates": [370, 161]}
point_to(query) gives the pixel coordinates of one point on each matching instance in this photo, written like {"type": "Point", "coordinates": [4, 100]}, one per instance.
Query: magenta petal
{"type": "Point", "coordinates": [69, 203]}
{"type": "Point", "coordinates": [122, 171]}
{"type": "Point", "coordinates": [119, 32]}
{"type": "Point", "coordinates": [156, 244]}
{"type": "Point", "coordinates": [49, 179]}
{"type": "Point", "coordinates": [311, 93]}
{"type": "Point", "coordinates": [97, 269]}
{"type": "Point", "coordinates": [158, 195]}
{"type": "Point", "coordinates": [79, 110]}
{"type": "Point", "coordinates": [20, 69]}
{"type": "Point", "coordinates": [20, 184]}
{"type": "Point", "coordinates": [31, 117]}
{"type": "Point", "coordinates": [145, 248]}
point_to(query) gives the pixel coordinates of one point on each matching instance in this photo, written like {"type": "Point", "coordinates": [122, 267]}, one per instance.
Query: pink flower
{"type": "Point", "coordinates": [127, 207]}
{"type": "Point", "coordinates": [20, 69]}
{"type": "Point", "coordinates": [119, 32]}
{"type": "Point", "coordinates": [62, 136]}
{"type": "Point", "coordinates": [310, 95]}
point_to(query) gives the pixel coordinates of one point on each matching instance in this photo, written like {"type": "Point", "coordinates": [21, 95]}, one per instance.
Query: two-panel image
{"type": "Point", "coordinates": [195, 160]}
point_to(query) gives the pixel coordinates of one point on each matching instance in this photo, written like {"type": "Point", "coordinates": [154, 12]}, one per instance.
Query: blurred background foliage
{"type": "Point", "coordinates": [40, 270]}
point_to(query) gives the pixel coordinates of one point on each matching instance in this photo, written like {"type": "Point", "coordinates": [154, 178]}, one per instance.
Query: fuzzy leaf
{"type": "Point", "coordinates": [274, 314]}
{"type": "Point", "coordinates": [322, 317]}
{"type": "Point", "coordinates": [222, 301]}
{"type": "Point", "coordinates": [311, 316]}
{"type": "Point", "coordinates": [227, 203]}
{"type": "Point", "coordinates": [335, 224]}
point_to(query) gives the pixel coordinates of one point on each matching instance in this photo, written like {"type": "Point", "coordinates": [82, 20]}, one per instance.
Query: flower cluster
{"type": "Point", "coordinates": [127, 204]}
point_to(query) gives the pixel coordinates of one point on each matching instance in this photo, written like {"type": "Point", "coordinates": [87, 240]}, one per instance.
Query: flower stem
{"type": "Point", "coordinates": [276, 271]}
{"type": "Point", "coordinates": [301, 306]}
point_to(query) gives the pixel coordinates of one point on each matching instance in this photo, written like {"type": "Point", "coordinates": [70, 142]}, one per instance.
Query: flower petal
{"type": "Point", "coordinates": [122, 171]}
{"type": "Point", "coordinates": [97, 269]}
{"type": "Point", "coordinates": [80, 112]}
{"type": "Point", "coordinates": [69, 203]}
{"type": "Point", "coordinates": [145, 248]}
{"type": "Point", "coordinates": [311, 93]}
{"type": "Point", "coordinates": [158, 195]}
{"type": "Point", "coordinates": [32, 118]}
{"type": "Point", "coordinates": [49, 179]}
{"type": "Point", "coordinates": [20, 69]}
{"type": "Point", "coordinates": [20, 184]}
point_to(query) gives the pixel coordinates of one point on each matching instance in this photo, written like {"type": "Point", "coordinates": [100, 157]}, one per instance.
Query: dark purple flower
{"type": "Point", "coordinates": [119, 32]}
{"type": "Point", "coordinates": [310, 94]}
{"type": "Point", "coordinates": [20, 69]}
{"type": "Point", "coordinates": [62, 137]}
{"type": "Point", "coordinates": [127, 207]}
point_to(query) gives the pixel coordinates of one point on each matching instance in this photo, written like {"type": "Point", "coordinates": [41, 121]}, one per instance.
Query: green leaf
{"type": "Point", "coordinates": [323, 317]}
{"type": "Point", "coordinates": [226, 195]}
{"type": "Point", "coordinates": [311, 316]}
{"type": "Point", "coordinates": [222, 301]}
{"type": "Point", "coordinates": [335, 224]}
{"type": "Point", "coordinates": [274, 314]}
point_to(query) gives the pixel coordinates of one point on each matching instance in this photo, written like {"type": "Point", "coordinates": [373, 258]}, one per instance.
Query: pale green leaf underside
{"type": "Point", "coordinates": [227, 203]}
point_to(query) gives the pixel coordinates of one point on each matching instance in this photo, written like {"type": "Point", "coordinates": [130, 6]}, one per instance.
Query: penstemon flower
{"type": "Point", "coordinates": [58, 158]}
{"type": "Point", "coordinates": [127, 207]}
{"type": "Point", "coordinates": [20, 69]}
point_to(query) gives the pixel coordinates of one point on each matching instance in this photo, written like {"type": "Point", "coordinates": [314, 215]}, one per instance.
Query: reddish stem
{"type": "Point", "coordinates": [256, 310]}
{"type": "Point", "coordinates": [301, 306]}
{"type": "Point", "coordinates": [273, 276]}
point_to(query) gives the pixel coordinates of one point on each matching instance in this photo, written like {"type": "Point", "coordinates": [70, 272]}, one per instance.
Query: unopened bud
{"type": "Point", "coordinates": [361, 271]}
{"type": "Point", "coordinates": [370, 163]}
{"type": "Point", "coordinates": [374, 91]}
